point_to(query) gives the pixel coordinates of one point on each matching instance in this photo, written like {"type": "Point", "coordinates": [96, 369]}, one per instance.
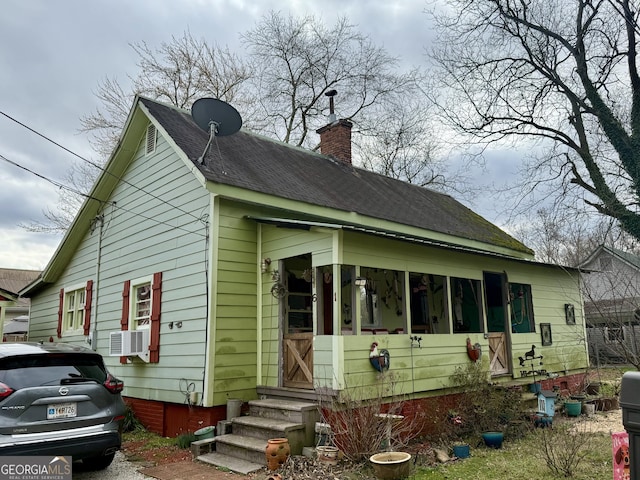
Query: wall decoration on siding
{"type": "Point", "coordinates": [379, 359]}
{"type": "Point", "coordinates": [545, 333]}
{"type": "Point", "coordinates": [570, 313]}
{"type": "Point", "coordinates": [474, 351]}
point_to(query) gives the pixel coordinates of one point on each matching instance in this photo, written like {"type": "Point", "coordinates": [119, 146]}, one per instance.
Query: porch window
{"type": "Point", "coordinates": [299, 306]}
{"type": "Point", "coordinates": [347, 309]}
{"type": "Point", "coordinates": [381, 301]}
{"type": "Point", "coordinates": [467, 305]}
{"type": "Point", "coordinates": [521, 308]}
{"type": "Point", "coordinates": [428, 303]}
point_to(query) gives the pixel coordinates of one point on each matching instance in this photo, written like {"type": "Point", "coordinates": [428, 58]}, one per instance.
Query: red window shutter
{"type": "Point", "coordinates": [124, 319]}
{"type": "Point", "coordinates": [88, 298]}
{"type": "Point", "coordinates": [60, 313]}
{"type": "Point", "coordinates": [156, 302]}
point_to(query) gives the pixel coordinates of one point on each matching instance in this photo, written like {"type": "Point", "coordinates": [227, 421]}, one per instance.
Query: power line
{"type": "Point", "coordinates": [105, 202]}
{"type": "Point", "coordinates": [95, 165]}
{"type": "Point", "coordinates": [47, 179]}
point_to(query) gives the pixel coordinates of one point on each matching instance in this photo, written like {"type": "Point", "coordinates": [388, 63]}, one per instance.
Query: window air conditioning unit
{"type": "Point", "coordinates": [129, 342]}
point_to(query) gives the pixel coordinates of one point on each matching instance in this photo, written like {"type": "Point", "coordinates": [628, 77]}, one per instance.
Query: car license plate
{"type": "Point", "coordinates": [61, 410]}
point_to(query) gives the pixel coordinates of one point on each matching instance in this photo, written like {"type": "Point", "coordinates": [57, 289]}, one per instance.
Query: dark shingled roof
{"type": "Point", "coordinates": [264, 165]}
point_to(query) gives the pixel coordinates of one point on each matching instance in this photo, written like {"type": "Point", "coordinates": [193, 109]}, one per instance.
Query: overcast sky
{"type": "Point", "coordinates": [54, 53]}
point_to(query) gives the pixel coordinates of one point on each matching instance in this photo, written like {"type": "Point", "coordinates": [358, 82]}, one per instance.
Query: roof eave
{"type": "Point", "coordinates": [102, 188]}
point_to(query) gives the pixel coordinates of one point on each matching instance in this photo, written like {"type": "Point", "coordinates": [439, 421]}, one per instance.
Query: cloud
{"type": "Point", "coordinates": [56, 53]}
{"type": "Point", "coordinates": [26, 250]}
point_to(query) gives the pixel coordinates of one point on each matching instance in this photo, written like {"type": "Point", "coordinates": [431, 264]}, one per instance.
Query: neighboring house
{"type": "Point", "coordinates": [270, 270]}
{"type": "Point", "coordinates": [14, 310]}
{"type": "Point", "coordinates": [611, 280]}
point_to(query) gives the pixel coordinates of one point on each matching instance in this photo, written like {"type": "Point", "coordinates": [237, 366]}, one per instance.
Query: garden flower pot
{"type": "Point", "coordinates": [277, 452]}
{"type": "Point", "coordinates": [205, 432]}
{"type": "Point", "coordinates": [493, 439]}
{"type": "Point", "coordinates": [589, 409]}
{"type": "Point", "coordinates": [327, 455]}
{"type": "Point", "coordinates": [391, 465]}
{"type": "Point", "coordinates": [573, 408]}
{"type": "Point", "coordinates": [461, 451]}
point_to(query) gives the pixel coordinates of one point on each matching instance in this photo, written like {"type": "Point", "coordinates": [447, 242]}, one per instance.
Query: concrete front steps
{"type": "Point", "coordinates": [242, 450]}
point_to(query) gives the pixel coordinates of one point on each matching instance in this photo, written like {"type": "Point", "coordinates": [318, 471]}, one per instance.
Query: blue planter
{"type": "Point", "coordinates": [461, 451]}
{"type": "Point", "coordinates": [204, 433]}
{"type": "Point", "coordinates": [493, 439]}
{"type": "Point", "coordinates": [535, 387]}
{"type": "Point", "coordinates": [573, 408]}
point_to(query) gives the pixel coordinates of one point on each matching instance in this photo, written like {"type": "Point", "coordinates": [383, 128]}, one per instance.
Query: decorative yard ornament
{"type": "Point", "coordinates": [474, 351]}
{"type": "Point", "coordinates": [379, 359]}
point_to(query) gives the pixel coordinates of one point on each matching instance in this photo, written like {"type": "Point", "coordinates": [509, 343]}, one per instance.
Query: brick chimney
{"type": "Point", "coordinates": [335, 140]}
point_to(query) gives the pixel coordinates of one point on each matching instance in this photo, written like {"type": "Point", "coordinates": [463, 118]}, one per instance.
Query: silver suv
{"type": "Point", "coordinates": [59, 399]}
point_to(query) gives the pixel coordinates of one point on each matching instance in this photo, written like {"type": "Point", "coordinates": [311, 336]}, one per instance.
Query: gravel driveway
{"type": "Point", "coordinates": [120, 469]}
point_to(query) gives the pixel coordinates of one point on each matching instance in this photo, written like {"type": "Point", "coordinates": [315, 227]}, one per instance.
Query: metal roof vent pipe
{"type": "Point", "coordinates": [335, 138]}
{"type": "Point", "coordinates": [332, 114]}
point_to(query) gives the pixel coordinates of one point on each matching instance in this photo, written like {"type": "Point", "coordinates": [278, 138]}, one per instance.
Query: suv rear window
{"type": "Point", "coordinates": [55, 369]}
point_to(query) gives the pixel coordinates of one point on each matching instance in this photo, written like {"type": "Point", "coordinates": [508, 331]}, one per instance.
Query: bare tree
{"type": "Point", "coordinates": [297, 60]}
{"type": "Point", "coordinates": [279, 86]}
{"type": "Point", "coordinates": [399, 143]}
{"type": "Point", "coordinates": [611, 289]}
{"type": "Point", "coordinates": [561, 73]}
{"type": "Point", "coordinates": [78, 180]}
{"type": "Point", "coordinates": [178, 72]}
{"type": "Point", "coordinates": [567, 237]}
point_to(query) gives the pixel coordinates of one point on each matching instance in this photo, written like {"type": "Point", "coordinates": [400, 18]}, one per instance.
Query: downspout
{"type": "Point", "coordinates": [92, 340]}
{"type": "Point", "coordinates": [211, 279]}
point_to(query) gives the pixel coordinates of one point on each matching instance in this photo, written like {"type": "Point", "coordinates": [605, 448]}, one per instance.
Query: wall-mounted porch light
{"type": "Point", "coordinates": [360, 282]}
{"type": "Point", "coordinates": [265, 264]}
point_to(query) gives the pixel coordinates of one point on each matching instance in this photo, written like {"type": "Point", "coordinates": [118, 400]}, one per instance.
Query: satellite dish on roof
{"type": "Point", "coordinates": [216, 117]}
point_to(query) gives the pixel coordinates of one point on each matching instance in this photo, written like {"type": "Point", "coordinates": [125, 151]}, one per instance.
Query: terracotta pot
{"type": "Point", "coordinates": [277, 452]}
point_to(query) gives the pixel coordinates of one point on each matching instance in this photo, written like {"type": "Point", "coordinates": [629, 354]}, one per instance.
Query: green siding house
{"type": "Point", "coordinates": [262, 269]}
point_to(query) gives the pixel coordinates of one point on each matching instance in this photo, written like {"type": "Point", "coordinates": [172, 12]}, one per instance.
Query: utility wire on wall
{"type": "Point", "coordinates": [104, 202]}
{"type": "Point", "coordinates": [93, 164]}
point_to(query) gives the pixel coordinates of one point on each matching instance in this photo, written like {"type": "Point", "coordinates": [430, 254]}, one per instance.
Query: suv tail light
{"type": "Point", "coordinates": [5, 390]}
{"type": "Point", "coordinates": [113, 384]}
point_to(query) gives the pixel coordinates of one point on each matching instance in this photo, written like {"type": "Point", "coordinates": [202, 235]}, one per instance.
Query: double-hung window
{"type": "Point", "coordinates": [74, 303]}
{"type": "Point", "coordinates": [141, 294]}
{"type": "Point", "coordinates": [74, 309]}
{"type": "Point", "coordinates": [141, 306]}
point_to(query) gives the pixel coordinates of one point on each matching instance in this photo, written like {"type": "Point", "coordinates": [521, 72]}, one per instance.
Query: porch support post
{"type": "Point", "coordinates": [259, 307]}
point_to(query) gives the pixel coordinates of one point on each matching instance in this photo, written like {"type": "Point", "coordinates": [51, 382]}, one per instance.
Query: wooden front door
{"type": "Point", "coordinates": [298, 360]}
{"type": "Point", "coordinates": [498, 359]}
{"type": "Point", "coordinates": [297, 324]}
{"type": "Point", "coordinates": [498, 323]}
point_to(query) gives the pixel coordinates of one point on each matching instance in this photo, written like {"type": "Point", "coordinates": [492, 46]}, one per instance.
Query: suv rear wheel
{"type": "Point", "coordinates": [98, 463]}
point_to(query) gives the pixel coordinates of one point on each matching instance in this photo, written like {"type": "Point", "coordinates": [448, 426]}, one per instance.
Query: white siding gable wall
{"type": "Point", "coordinates": [156, 225]}
{"type": "Point", "coordinates": [621, 280]}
